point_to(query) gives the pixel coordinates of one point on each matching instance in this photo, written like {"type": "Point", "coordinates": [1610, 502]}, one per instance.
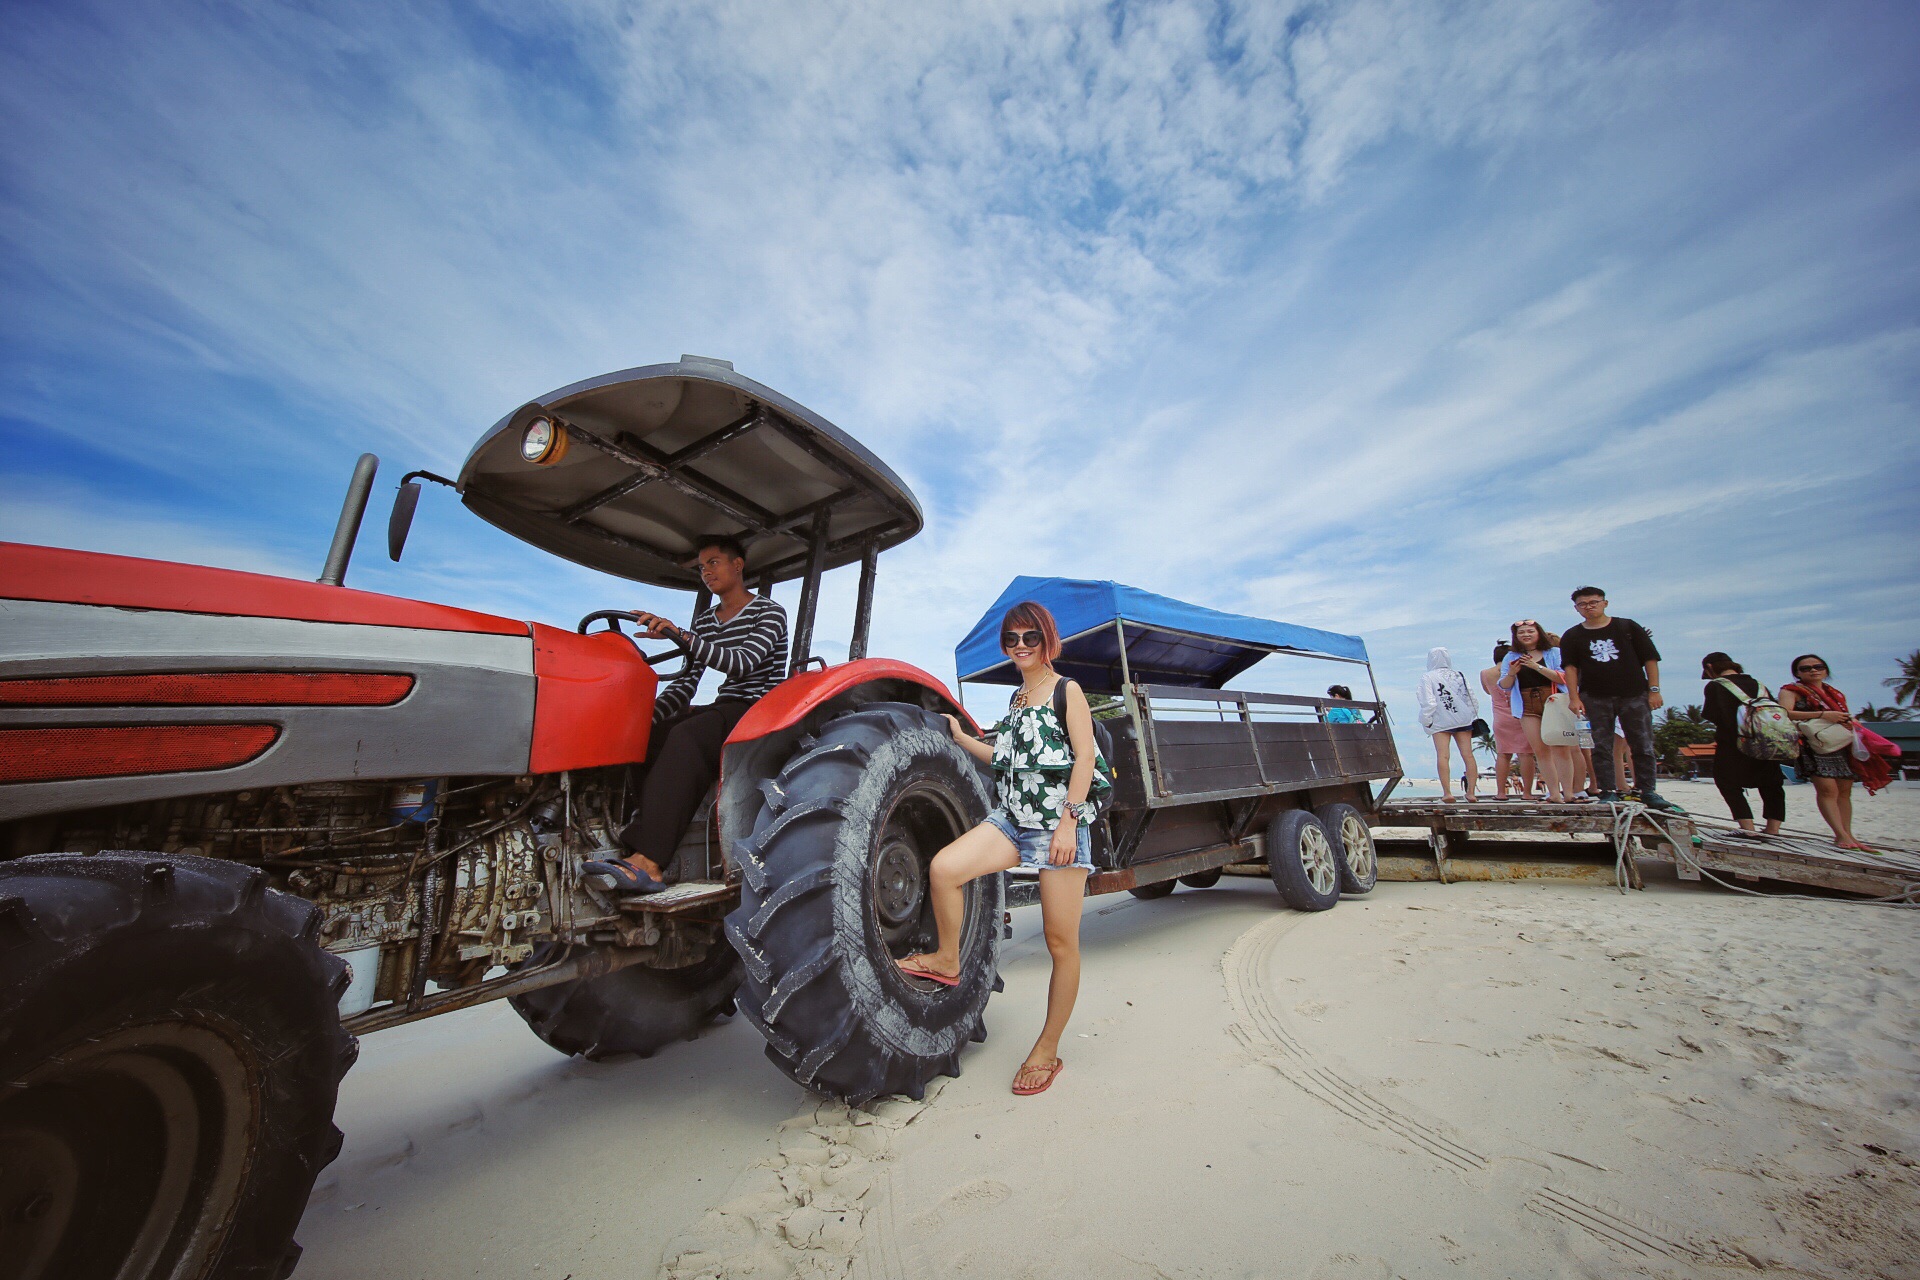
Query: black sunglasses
{"type": "Point", "coordinates": [1812, 666]}
{"type": "Point", "coordinates": [1024, 639]}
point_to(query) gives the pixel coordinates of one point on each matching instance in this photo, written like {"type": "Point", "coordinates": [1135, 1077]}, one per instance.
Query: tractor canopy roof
{"type": "Point", "coordinates": [1167, 641]}
{"type": "Point", "coordinates": [657, 458]}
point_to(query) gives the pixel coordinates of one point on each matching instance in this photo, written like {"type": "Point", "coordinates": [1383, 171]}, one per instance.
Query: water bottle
{"type": "Point", "coordinates": [1585, 729]}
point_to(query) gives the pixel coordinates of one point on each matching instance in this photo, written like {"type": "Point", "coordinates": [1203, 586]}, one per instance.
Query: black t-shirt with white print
{"type": "Point", "coordinates": [1611, 659]}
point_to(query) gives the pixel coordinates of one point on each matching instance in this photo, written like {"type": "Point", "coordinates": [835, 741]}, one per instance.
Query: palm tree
{"type": "Point", "coordinates": [1679, 728]}
{"type": "Point", "coordinates": [1871, 712]}
{"type": "Point", "coordinates": [1906, 685]}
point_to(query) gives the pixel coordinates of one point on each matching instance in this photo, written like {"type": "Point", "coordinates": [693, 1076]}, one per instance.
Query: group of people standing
{"type": "Point", "coordinates": [1809, 700]}
{"type": "Point", "coordinates": [1575, 708]}
{"type": "Point", "coordinates": [1549, 693]}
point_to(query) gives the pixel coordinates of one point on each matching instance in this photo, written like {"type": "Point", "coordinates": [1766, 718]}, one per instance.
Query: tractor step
{"type": "Point", "coordinates": [682, 898]}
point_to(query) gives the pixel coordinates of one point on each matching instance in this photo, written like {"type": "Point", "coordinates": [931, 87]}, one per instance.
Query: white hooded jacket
{"type": "Point", "coordinates": [1446, 700]}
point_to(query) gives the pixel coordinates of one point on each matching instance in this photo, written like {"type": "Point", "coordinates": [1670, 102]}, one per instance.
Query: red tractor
{"type": "Point", "coordinates": [245, 819]}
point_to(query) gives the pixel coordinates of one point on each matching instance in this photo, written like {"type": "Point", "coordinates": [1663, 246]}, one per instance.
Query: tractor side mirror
{"type": "Point", "coordinates": [404, 504]}
{"type": "Point", "coordinates": [401, 520]}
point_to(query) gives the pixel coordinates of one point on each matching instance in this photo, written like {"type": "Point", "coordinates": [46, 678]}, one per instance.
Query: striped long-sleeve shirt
{"type": "Point", "coordinates": [750, 649]}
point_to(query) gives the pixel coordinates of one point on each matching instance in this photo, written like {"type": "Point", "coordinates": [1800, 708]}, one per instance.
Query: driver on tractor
{"type": "Point", "coordinates": [744, 637]}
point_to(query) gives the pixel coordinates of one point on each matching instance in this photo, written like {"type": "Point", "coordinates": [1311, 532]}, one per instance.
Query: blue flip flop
{"type": "Point", "coordinates": [626, 877]}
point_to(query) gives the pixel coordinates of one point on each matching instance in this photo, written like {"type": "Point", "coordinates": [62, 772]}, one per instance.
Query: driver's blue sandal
{"type": "Point", "coordinates": [626, 877]}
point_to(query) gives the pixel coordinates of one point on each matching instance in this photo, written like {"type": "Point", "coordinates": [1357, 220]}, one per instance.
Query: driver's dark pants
{"type": "Point", "coordinates": [683, 759]}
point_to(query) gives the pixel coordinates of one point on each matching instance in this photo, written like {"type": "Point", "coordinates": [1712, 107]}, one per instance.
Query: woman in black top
{"type": "Point", "coordinates": [1733, 769]}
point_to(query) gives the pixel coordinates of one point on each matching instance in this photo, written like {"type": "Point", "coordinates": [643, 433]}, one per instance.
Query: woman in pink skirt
{"type": "Point", "coordinates": [1509, 736]}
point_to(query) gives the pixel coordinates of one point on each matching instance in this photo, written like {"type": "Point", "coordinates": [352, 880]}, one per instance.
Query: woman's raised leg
{"type": "Point", "coordinates": [1063, 892]}
{"type": "Point", "coordinates": [979, 852]}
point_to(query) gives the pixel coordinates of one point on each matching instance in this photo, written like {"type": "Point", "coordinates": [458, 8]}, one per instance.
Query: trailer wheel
{"type": "Point", "coordinates": [170, 1052]}
{"type": "Point", "coordinates": [1202, 879]}
{"type": "Point", "coordinates": [1302, 862]}
{"type": "Point", "coordinates": [833, 891]}
{"type": "Point", "coordinates": [1148, 892]}
{"type": "Point", "coordinates": [1353, 848]}
{"type": "Point", "coordinates": [636, 1010]}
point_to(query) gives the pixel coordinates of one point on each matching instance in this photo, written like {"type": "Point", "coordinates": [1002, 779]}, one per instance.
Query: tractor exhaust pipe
{"type": "Point", "coordinates": [351, 511]}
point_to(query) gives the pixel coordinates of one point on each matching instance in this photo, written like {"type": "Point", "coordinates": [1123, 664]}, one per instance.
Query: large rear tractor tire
{"type": "Point", "coordinates": [1302, 862]}
{"type": "Point", "coordinates": [1202, 879]}
{"type": "Point", "coordinates": [1158, 889]}
{"type": "Point", "coordinates": [834, 890]}
{"type": "Point", "coordinates": [1353, 849]}
{"type": "Point", "coordinates": [632, 1011]}
{"type": "Point", "coordinates": [170, 1051]}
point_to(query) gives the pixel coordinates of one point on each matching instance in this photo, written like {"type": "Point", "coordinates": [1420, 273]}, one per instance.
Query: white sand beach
{"type": "Point", "coordinates": [1461, 1080]}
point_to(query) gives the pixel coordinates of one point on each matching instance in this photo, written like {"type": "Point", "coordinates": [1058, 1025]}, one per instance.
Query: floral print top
{"type": "Point", "coordinates": [1032, 760]}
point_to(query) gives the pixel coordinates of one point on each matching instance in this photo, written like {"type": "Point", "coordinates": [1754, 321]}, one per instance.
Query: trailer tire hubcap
{"type": "Point", "coordinates": [1316, 857]}
{"type": "Point", "coordinates": [1357, 842]}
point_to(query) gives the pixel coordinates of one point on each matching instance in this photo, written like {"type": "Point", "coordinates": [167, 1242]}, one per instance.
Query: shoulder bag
{"type": "Point", "coordinates": [1558, 726]}
{"type": "Point", "coordinates": [1823, 737]}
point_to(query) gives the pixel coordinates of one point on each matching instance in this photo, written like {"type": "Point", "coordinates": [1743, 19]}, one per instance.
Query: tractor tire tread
{"type": "Point", "coordinates": [92, 946]}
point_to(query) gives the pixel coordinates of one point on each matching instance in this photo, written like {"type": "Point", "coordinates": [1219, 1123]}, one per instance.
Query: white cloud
{"type": "Point", "coordinates": [1377, 316]}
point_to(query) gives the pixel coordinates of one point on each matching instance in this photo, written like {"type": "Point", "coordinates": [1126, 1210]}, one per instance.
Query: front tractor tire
{"type": "Point", "coordinates": [635, 1011]}
{"type": "Point", "coordinates": [834, 890]}
{"type": "Point", "coordinates": [170, 1052]}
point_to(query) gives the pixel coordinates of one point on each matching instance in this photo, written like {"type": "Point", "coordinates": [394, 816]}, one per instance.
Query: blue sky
{"type": "Point", "coordinates": [1392, 318]}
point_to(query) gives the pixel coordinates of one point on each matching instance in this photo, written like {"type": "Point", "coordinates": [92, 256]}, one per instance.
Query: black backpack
{"type": "Point", "coordinates": [1102, 736]}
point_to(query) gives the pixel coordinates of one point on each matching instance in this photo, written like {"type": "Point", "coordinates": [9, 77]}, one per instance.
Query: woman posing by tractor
{"type": "Point", "coordinates": [1046, 765]}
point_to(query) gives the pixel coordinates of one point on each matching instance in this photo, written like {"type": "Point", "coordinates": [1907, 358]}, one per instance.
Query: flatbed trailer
{"type": "Point", "coordinates": [1206, 777]}
{"type": "Point", "coordinates": [1603, 843]}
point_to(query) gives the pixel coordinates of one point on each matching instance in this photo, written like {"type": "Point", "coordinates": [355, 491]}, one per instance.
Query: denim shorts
{"type": "Point", "coordinates": [1034, 843]}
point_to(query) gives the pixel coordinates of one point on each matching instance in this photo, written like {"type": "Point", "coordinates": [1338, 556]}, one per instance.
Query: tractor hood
{"type": "Point", "coordinates": [655, 459]}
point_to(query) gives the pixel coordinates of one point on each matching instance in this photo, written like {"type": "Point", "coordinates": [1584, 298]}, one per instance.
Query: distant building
{"type": "Point", "coordinates": [1697, 755]}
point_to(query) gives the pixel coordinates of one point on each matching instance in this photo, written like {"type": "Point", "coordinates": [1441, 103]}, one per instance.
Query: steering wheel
{"type": "Point", "coordinates": [613, 618]}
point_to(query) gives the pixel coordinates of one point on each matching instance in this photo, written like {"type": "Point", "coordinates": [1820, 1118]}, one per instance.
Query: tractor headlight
{"type": "Point", "coordinates": [544, 442]}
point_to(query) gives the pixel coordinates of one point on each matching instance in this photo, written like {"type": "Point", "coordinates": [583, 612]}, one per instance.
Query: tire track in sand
{"type": "Point", "coordinates": [1265, 1034]}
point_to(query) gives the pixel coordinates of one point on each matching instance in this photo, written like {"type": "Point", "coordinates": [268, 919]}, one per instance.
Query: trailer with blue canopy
{"type": "Point", "coordinates": [1208, 777]}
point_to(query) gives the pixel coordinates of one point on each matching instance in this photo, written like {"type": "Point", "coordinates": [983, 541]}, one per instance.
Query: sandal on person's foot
{"type": "Point", "coordinates": [912, 967]}
{"type": "Point", "coordinates": [625, 877]}
{"type": "Point", "coordinates": [1046, 1076]}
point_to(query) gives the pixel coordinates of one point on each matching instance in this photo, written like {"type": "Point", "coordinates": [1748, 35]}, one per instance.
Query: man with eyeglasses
{"type": "Point", "coordinates": [1613, 676]}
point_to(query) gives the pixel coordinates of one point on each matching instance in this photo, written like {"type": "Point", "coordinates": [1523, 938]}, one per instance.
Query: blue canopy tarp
{"type": "Point", "coordinates": [1168, 641]}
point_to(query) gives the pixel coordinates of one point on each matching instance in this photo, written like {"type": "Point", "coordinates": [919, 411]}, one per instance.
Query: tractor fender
{"type": "Point", "coordinates": [594, 702]}
{"type": "Point", "coordinates": [766, 736]}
